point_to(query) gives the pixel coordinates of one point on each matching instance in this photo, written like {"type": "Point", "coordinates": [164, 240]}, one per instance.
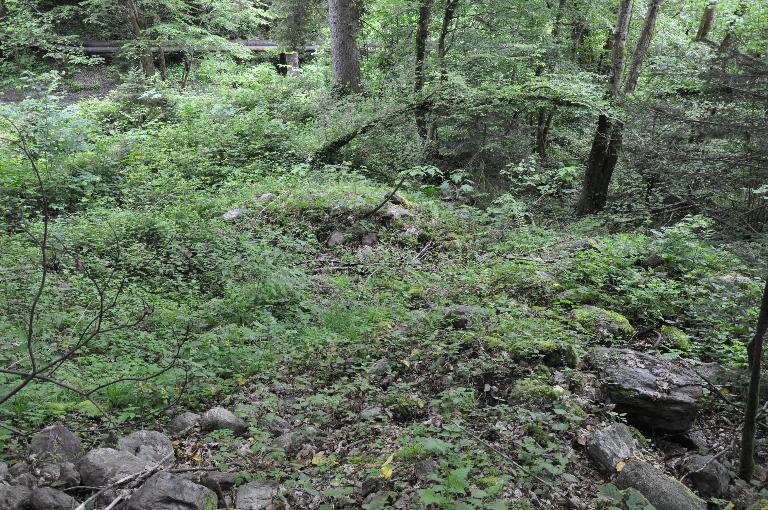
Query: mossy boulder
{"type": "Point", "coordinates": [602, 323]}
{"type": "Point", "coordinates": [675, 337]}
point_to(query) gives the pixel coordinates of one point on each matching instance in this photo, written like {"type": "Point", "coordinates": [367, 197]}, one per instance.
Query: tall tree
{"type": "Point", "coordinates": [422, 34]}
{"type": "Point", "coordinates": [608, 139]}
{"type": "Point", "coordinates": [343, 19]}
{"type": "Point", "coordinates": [755, 349]}
{"type": "Point", "coordinates": [707, 19]}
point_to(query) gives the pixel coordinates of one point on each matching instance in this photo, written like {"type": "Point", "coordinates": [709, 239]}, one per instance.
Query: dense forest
{"type": "Point", "coordinates": [383, 254]}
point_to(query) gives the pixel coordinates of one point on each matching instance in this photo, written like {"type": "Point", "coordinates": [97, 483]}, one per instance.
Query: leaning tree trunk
{"type": "Point", "coordinates": [138, 23]}
{"type": "Point", "coordinates": [755, 350]}
{"type": "Point", "coordinates": [422, 32]}
{"type": "Point", "coordinates": [609, 135]}
{"type": "Point", "coordinates": [604, 154]}
{"type": "Point", "coordinates": [707, 19]}
{"type": "Point", "coordinates": [643, 44]}
{"type": "Point", "coordinates": [343, 21]}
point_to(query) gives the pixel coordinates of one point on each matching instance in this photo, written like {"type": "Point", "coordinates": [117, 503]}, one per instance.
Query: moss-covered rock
{"type": "Point", "coordinates": [602, 323]}
{"type": "Point", "coordinates": [675, 337]}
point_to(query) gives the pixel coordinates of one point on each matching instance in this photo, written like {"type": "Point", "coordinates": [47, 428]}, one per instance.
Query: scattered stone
{"type": "Point", "coordinates": [233, 214]}
{"type": "Point", "coordinates": [661, 491]}
{"type": "Point", "coordinates": [183, 423]}
{"type": "Point", "coordinates": [656, 394]}
{"type": "Point", "coordinates": [336, 239]}
{"type": "Point", "coordinates": [695, 440]}
{"type": "Point", "coordinates": [586, 244]}
{"type": "Point", "coordinates": [378, 373]}
{"type": "Point", "coordinates": [3, 471]}
{"type": "Point", "coordinates": [370, 239]}
{"type": "Point", "coordinates": [64, 475]}
{"type": "Point", "coordinates": [371, 413]}
{"type": "Point", "coordinates": [275, 424]}
{"type": "Point", "coordinates": [14, 497]}
{"type": "Point", "coordinates": [219, 418]}
{"type": "Point", "coordinates": [708, 476]}
{"type": "Point", "coordinates": [652, 261]}
{"type": "Point", "coordinates": [17, 469]}
{"type": "Point", "coordinates": [611, 445]}
{"type": "Point", "coordinates": [458, 317]}
{"type": "Point", "coordinates": [214, 480]}
{"type": "Point", "coordinates": [255, 495]}
{"type": "Point", "coordinates": [744, 496]}
{"type": "Point", "coordinates": [293, 442]}
{"type": "Point", "coordinates": [603, 323]}
{"type": "Point", "coordinates": [148, 445]}
{"type": "Point", "coordinates": [25, 480]}
{"type": "Point", "coordinates": [370, 485]}
{"type": "Point", "coordinates": [395, 212]}
{"type": "Point", "coordinates": [103, 466]}
{"type": "Point", "coordinates": [266, 197]}
{"type": "Point", "coordinates": [55, 444]}
{"type": "Point", "coordinates": [47, 498]}
{"type": "Point", "coordinates": [424, 469]}
{"type": "Point", "coordinates": [730, 281]}
{"type": "Point", "coordinates": [166, 491]}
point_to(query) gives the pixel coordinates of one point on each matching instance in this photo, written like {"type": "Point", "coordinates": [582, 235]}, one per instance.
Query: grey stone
{"type": "Point", "coordinates": [47, 498]}
{"type": "Point", "coordinates": [611, 445]}
{"type": "Point", "coordinates": [266, 197]}
{"type": "Point", "coordinates": [18, 468]}
{"type": "Point", "coordinates": [336, 239]}
{"type": "Point", "coordinates": [292, 442]}
{"type": "Point", "coordinates": [425, 469]}
{"type": "Point", "coordinates": [661, 491]}
{"type": "Point", "coordinates": [379, 371]}
{"type": "Point", "coordinates": [15, 497]}
{"type": "Point", "coordinates": [274, 424]}
{"type": "Point", "coordinates": [371, 413]}
{"type": "Point", "coordinates": [585, 244]}
{"type": "Point", "coordinates": [183, 423]}
{"type": "Point", "coordinates": [214, 480]}
{"type": "Point", "coordinates": [652, 261]}
{"type": "Point", "coordinates": [395, 212]}
{"type": "Point", "coordinates": [149, 445]}
{"type": "Point", "coordinates": [458, 317]}
{"type": "Point", "coordinates": [64, 475]}
{"type": "Point", "coordinates": [166, 491]}
{"type": "Point", "coordinates": [655, 394]}
{"type": "Point", "coordinates": [3, 471]}
{"type": "Point", "coordinates": [370, 239]}
{"type": "Point", "coordinates": [103, 466]}
{"type": "Point", "coordinates": [25, 480]}
{"type": "Point", "coordinates": [708, 476]}
{"type": "Point", "coordinates": [55, 444]}
{"type": "Point", "coordinates": [233, 214]}
{"type": "Point", "coordinates": [255, 495]}
{"type": "Point", "coordinates": [219, 418]}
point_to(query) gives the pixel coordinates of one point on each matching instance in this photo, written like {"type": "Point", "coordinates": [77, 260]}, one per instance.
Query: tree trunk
{"type": "Point", "coordinates": [619, 48]}
{"type": "Point", "coordinates": [161, 60]}
{"type": "Point", "coordinates": [755, 350]}
{"type": "Point", "coordinates": [343, 21]}
{"type": "Point", "coordinates": [607, 144]}
{"type": "Point", "coordinates": [187, 70]}
{"type": "Point", "coordinates": [137, 26]}
{"type": "Point", "coordinates": [448, 16]}
{"type": "Point", "coordinates": [422, 33]}
{"type": "Point", "coordinates": [707, 19]}
{"type": "Point", "coordinates": [292, 63]}
{"type": "Point", "coordinates": [542, 132]}
{"type": "Point", "coordinates": [2, 9]}
{"type": "Point", "coordinates": [643, 43]}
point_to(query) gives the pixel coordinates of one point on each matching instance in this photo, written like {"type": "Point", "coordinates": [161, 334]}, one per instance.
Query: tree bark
{"type": "Point", "coordinates": [2, 9]}
{"type": "Point", "coordinates": [138, 23]}
{"type": "Point", "coordinates": [343, 21]}
{"type": "Point", "coordinates": [619, 47]}
{"type": "Point", "coordinates": [755, 350]}
{"type": "Point", "coordinates": [608, 140]}
{"type": "Point", "coordinates": [422, 33]}
{"type": "Point", "coordinates": [448, 16]}
{"type": "Point", "coordinates": [707, 19]}
{"type": "Point", "coordinates": [292, 63]}
{"type": "Point", "coordinates": [643, 44]}
{"type": "Point", "coordinates": [161, 60]}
